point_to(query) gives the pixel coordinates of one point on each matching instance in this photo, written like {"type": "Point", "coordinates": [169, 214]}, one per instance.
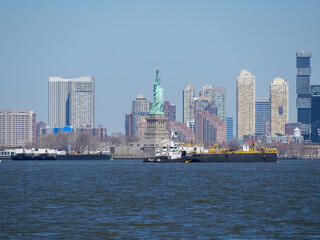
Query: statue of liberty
{"type": "Point", "coordinates": [157, 107]}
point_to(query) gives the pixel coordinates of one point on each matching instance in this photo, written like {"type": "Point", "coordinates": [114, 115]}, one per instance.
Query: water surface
{"type": "Point", "coordinates": [128, 199]}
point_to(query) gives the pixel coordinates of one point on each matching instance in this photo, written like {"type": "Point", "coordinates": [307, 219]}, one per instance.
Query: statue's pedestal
{"type": "Point", "coordinates": [156, 128]}
{"type": "Point", "coordinates": [155, 133]}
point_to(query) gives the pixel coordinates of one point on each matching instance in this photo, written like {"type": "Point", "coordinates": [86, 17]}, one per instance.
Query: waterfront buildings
{"type": "Point", "coordinates": [245, 104]}
{"type": "Point", "coordinates": [17, 128]}
{"type": "Point", "coordinates": [229, 129]}
{"type": "Point", "coordinates": [169, 111]}
{"type": "Point", "coordinates": [99, 132]}
{"type": "Point", "coordinates": [291, 126]}
{"type": "Point", "coordinates": [204, 103]}
{"type": "Point", "coordinates": [188, 109]}
{"type": "Point", "coordinates": [40, 129]}
{"type": "Point", "coordinates": [140, 110]}
{"type": "Point", "coordinates": [184, 134]}
{"type": "Point", "coordinates": [71, 102]}
{"type": "Point", "coordinates": [262, 106]}
{"type": "Point", "coordinates": [303, 103]}
{"type": "Point", "coordinates": [209, 128]}
{"type": "Point", "coordinates": [315, 113]}
{"type": "Point", "coordinates": [279, 102]}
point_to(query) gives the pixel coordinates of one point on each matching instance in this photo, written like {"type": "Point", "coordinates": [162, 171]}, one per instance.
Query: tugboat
{"type": "Point", "coordinates": [169, 153]}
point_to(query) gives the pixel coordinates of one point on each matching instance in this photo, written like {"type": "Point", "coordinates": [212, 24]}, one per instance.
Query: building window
{"type": "Point", "coordinates": [280, 110]}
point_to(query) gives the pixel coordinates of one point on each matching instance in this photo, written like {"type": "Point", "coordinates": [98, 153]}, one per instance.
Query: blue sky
{"type": "Point", "coordinates": [121, 43]}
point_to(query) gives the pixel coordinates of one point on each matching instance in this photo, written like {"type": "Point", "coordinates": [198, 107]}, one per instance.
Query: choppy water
{"type": "Point", "coordinates": [128, 199]}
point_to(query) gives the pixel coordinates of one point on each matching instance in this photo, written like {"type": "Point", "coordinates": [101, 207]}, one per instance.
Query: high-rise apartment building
{"type": "Point", "coordinates": [188, 109]}
{"type": "Point", "coordinates": [206, 91]}
{"type": "Point", "coordinates": [140, 110]}
{"type": "Point", "coordinates": [204, 103]}
{"type": "Point", "coordinates": [303, 103]}
{"type": "Point", "coordinates": [229, 129]}
{"type": "Point", "coordinates": [17, 128]}
{"type": "Point", "coordinates": [71, 102]}
{"type": "Point", "coordinates": [262, 114]}
{"type": "Point", "coordinates": [279, 102]}
{"type": "Point", "coordinates": [245, 104]}
{"type": "Point", "coordinates": [315, 113]}
{"type": "Point", "coordinates": [169, 111]}
{"type": "Point", "coordinates": [217, 95]}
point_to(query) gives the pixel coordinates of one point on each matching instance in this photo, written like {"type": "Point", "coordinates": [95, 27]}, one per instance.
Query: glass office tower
{"type": "Point", "coordinates": [303, 103]}
{"type": "Point", "coordinates": [262, 114]}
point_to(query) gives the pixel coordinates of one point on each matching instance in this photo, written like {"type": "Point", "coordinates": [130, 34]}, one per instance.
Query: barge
{"type": "Point", "coordinates": [214, 155]}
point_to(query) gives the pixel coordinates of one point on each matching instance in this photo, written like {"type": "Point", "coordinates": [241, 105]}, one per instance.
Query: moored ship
{"type": "Point", "coordinates": [49, 154]}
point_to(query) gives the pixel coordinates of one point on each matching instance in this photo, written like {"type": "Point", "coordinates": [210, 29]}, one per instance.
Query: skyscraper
{"type": "Point", "coordinates": [279, 102]}
{"type": "Point", "coordinates": [140, 110]}
{"type": "Point", "coordinates": [71, 102]}
{"type": "Point", "coordinates": [219, 97]}
{"type": "Point", "coordinates": [245, 104]}
{"type": "Point", "coordinates": [315, 113]}
{"type": "Point", "coordinates": [17, 128]}
{"type": "Point", "coordinates": [229, 129]}
{"type": "Point", "coordinates": [81, 102]}
{"type": "Point", "coordinates": [303, 103]}
{"type": "Point", "coordinates": [59, 89]}
{"type": "Point", "coordinates": [262, 114]}
{"type": "Point", "coordinates": [188, 96]}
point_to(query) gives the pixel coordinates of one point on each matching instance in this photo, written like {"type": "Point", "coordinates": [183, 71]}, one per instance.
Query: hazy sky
{"type": "Point", "coordinates": [121, 43]}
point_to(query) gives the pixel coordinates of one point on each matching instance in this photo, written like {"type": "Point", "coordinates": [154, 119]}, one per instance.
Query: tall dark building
{"type": "Point", "coordinates": [229, 129]}
{"type": "Point", "coordinates": [303, 103]}
{"type": "Point", "coordinates": [128, 124]}
{"type": "Point", "coordinates": [262, 114]}
{"type": "Point", "coordinates": [315, 113]}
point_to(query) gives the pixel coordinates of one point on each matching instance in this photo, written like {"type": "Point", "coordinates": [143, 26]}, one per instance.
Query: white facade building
{"type": "Point", "coordinates": [71, 102]}
{"type": "Point", "coordinates": [188, 107]}
{"type": "Point", "coordinates": [245, 104]}
{"type": "Point", "coordinates": [279, 101]}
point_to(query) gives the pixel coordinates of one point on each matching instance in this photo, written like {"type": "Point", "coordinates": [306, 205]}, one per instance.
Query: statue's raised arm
{"type": "Point", "coordinates": [157, 106]}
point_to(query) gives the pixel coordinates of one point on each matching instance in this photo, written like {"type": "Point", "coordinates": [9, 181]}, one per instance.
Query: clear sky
{"type": "Point", "coordinates": [121, 43]}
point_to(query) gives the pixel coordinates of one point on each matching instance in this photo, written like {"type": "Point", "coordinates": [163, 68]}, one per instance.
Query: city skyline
{"type": "Point", "coordinates": [121, 44]}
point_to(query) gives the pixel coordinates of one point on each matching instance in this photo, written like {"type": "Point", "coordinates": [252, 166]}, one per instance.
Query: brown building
{"type": "Point", "coordinates": [209, 128]}
{"type": "Point", "coordinates": [169, 111]}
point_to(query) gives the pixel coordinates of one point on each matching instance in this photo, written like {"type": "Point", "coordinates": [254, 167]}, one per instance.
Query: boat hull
{"type": "Point", "coordinates": [231, 157]}
{"type": "Point", "coordinates": [42, 157]}
{"type": "Point", "coordinates": [84, 157]}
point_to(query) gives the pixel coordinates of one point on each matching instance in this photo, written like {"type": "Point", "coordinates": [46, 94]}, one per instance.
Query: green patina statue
{"type": "Point", "coordinates": [157, 107]}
